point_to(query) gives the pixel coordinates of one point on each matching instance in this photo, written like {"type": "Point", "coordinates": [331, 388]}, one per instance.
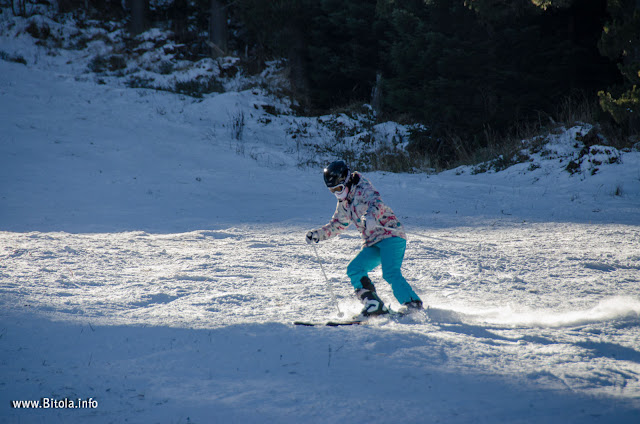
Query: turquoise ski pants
{"type": "Point", "coordinates": [389, 253]}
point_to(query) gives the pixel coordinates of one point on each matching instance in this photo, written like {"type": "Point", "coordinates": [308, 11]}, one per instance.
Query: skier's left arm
{"type": "Point", "coordinates": [371, 207]}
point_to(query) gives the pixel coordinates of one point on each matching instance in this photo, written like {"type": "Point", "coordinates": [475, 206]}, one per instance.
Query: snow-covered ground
{"type": "Point", "coordinates": [153, 259]}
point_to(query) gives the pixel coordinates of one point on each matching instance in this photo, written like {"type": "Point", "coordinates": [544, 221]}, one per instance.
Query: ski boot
{"type": "Point", "coordinates": [414, 305]}
{"type": "Point", "coordinates": [373, 305]}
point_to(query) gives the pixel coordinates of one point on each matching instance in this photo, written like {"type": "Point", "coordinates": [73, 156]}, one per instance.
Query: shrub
{"type": "Point", "coordinates": [104, 63]}
{"type": "Point", "coordinates": [39, 31]}
{"type": "Point", "coordinates": [237, 125]}
{"type": "Point", "coordinates": [198, 87]}
{"type": "Point", "coordinates": [12, 58]}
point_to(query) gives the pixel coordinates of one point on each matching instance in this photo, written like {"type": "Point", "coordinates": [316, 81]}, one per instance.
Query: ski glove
{"type": "Point", "coordinates": [313, 236]}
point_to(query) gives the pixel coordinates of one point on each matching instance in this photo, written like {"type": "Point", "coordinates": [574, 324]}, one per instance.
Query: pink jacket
{"type": "Point", "coordinates": [363, 204]}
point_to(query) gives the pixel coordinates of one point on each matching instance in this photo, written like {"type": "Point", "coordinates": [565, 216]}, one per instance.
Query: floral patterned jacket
{"type": "Point", "coordinates": [364, 207]}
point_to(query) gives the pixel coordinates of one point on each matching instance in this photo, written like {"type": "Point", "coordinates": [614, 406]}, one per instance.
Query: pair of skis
{"type": "Point", "coordinates": [330, 323]}
{"type": "Point", "coordinates": [355, 321]}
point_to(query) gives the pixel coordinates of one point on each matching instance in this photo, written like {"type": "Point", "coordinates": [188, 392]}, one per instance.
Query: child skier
{"type": "Point", "coordinates": [384, 240]}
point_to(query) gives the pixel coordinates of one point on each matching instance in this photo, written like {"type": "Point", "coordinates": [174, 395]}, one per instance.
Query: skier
{"type": "Point", "coordinates": [384, 240]}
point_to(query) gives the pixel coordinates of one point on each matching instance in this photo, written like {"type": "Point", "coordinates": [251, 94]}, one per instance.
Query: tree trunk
{"type": "Point", "coordinates": [376, 95]}
{"type": "Point", "coordinates": [218, 28]}
{"type": "Point", "coordinates": [138, 18]}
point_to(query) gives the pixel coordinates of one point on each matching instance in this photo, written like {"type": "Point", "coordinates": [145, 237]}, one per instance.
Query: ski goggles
{"type": "Point", "coordinates": [337, 189]}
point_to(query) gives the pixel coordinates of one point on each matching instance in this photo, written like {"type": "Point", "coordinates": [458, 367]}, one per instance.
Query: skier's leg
{"type": "Point", "coordinates": [359, 267]}
{"type": "Point", "coordinates": [391, 256]}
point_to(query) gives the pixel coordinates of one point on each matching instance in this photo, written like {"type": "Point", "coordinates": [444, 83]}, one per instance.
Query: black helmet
{"type": "Point", "coordinates": [336, 173]}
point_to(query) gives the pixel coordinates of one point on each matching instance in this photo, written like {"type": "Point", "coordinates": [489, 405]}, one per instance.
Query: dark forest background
{"type": "Point", "coordinates": [475, 73]}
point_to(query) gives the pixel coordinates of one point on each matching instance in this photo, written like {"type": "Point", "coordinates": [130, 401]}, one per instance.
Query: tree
{"type": "Point", "coordinates": [342, 56]}
{"type": "Point", "coordinates": [467, 67]}
{"type": "Point", "coordinates": [277, 29]}
{"type": "Point", "coordinates": [621, 42]}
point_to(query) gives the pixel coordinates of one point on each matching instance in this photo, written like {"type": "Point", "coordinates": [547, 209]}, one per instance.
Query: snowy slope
{"type": "Point", "coordinates": [153, 261]}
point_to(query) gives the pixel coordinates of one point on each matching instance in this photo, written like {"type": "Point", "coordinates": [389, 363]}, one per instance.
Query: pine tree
{"type": "Point", "coordinates": [621, 42]}
{"type": "Point", "coordinates": [331, 45]}
{"type": "Point", "coordinates": [342, 55]}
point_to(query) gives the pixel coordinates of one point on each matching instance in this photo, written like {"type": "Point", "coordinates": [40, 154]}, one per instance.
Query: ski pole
{"type": "Point", "coordinates": [326, 279]}
{"type": "Point", "coordinates": [445, 240]}
{"type": "Point", "coordinates": [440, 239]}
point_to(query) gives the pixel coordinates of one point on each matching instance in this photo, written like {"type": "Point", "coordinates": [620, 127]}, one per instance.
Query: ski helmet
{"type": "Point", "coordinates": [336, 173]}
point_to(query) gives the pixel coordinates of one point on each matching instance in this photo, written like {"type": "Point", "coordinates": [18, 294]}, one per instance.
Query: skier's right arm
{"type": "Point", "coordinates": [339, 222]}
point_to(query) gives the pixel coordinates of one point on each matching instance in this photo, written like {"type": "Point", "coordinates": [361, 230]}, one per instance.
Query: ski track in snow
{"type": "Point", "coordinates": [150, 261]}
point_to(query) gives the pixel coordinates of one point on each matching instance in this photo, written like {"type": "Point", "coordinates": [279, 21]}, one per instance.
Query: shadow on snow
{"type": "Point", "coordinates": [272, 373]}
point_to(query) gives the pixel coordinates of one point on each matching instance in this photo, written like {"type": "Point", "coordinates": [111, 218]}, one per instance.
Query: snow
{"type": "Point", "coordinates": [153, 259]}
